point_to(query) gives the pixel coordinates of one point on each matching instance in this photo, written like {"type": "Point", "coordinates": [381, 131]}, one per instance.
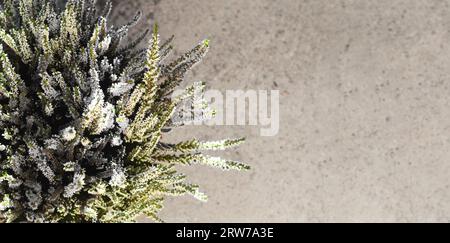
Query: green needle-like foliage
{"type": "Point", "coordinates": [82, 115]}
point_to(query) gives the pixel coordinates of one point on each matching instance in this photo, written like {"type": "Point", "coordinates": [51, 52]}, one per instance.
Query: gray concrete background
{"type": "Point", "coordinates": [365, 113]}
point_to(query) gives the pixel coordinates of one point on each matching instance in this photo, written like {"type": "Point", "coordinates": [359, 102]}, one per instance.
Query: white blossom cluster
{"type": "Point", "coordinates": [82, 115]}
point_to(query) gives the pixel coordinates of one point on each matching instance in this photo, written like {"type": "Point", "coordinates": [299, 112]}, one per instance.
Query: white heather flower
{"type": "Point", "coordinates": [70, 166]}
{"type": "Point", "coordinates": [85, 142]}
{"type": "Point", "coordinates": [76, 186]}
{"type": "Point", "coordinates": [7, 135]}
{"type": "Point", "coordinates": [2, 147]}
{"type": "Point", "coordinates": [47, 86]}
{"type": "Point", "coordinates": [41, 161]}
{"type": "Point", "coordinates": [108, 117]}
{"type": "Point", "coordinates": [69, 134]}
{"type": "Point", "coordinates": [116, 141]}
{"type": "Point", "coordinates": [90, 212]}
{"type": "Point", "coordinates": [6, 203]}
{"type": "Point", "coordinates": [95, 105]}
{"type": "Point", "coordinates": [34, 217]}
{"type": "Point", "coordinates": [121, 88]}
{"type": "Point", "coordinates": [13, 182]}
{"type": "Point", "coordinates": [16, 163]}
{"type": "Point", "coordinates": [53, 144]}
{"type": "Point", "coordinates": [114, 77]}
{"type": "Point", "coordinates": [104, 45]}
{"type": "Point", "coordinates": [100, 116]}
{"type": "Point", "coordinates": [123, 122]}
{"type": "Point", "coordinates": [118, 177]}
{"type": "Point", "coordinates": [98, 189]}
{"type": "Point", "coordinates": [117, 61]}
{"type": "Point", "coordinates": [96, 95]}
{"type": "Point", "coordinates": [105, 66]}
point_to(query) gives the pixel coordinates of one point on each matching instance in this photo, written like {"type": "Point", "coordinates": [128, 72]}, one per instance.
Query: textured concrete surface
{"type": "Point", "coordinates": [365, 113]}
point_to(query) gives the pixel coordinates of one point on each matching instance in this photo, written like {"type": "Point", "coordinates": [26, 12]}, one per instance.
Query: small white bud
{"type": "Point", "coordinates": [85, 142]}
{"type": "Point", "coordinates": [69, 134]}
{"type": "Point", "coordinates": [123, 122]}
{"type": "Point", "coordinates": [116, 141]}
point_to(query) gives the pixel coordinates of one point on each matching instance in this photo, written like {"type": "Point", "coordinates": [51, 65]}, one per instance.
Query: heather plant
{"type": "Point", "coordinates": [83, 113]}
